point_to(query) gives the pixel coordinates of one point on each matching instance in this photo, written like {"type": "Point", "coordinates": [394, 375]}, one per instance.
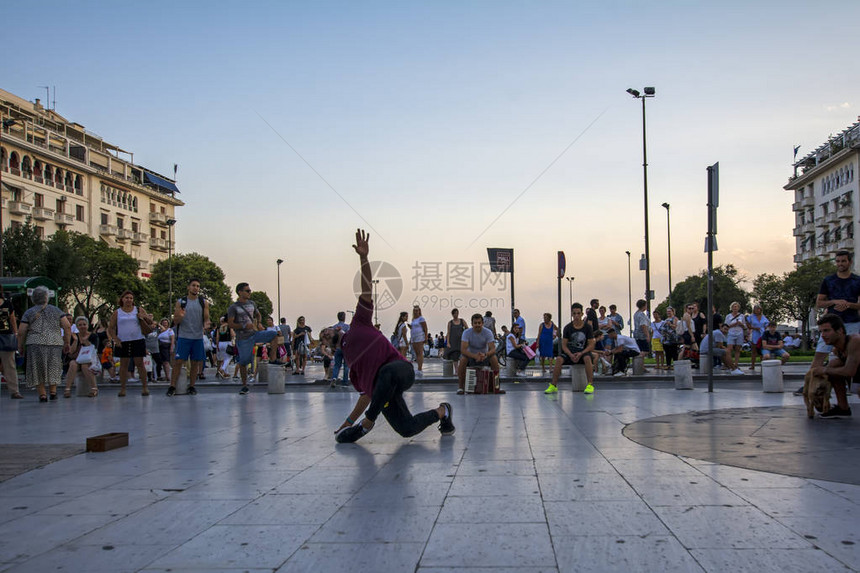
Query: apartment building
{"type": "Point", "coordinates": [825, 192]}
{"type": "Point", "coordinates": [65, 177]}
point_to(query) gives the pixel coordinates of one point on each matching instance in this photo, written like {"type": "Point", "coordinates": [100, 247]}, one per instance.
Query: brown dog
{"type": "Point", "coordinates": [816, 393]}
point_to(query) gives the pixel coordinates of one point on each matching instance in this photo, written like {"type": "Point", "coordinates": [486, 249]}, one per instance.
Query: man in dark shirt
{"type": "Point", "coordinates": [577, 343]}
{"type": "Point", "coordinates": [378, 371]}
{"type": "Point", "coordinates": [591, 315]}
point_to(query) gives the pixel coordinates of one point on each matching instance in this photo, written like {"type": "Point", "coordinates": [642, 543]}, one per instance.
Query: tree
{"type": "Point", "coordinates": [23, 251]}
{"type": "Point", "coordinates": [801, 286]}
{"type": "Point", "coordinates": [727, 290]}
{"type": "Point", "coordinates": [187, 266]}
{"type": "Point", "coordinates": [775, 300]}
{"type": "Point", "coordinates": [263, 302]}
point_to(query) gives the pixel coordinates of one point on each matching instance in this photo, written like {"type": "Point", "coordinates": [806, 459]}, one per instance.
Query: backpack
{"type": "Point", "coordinates": [183, 302]}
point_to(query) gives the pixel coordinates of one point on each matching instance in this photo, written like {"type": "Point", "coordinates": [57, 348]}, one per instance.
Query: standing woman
{"type": "Point", "coordinates": [223, 339]}
{"type": "Point", "coordinates": [83, 353]}
{"type": "Point", "coordinates": [418, 328]}
{"type": "Point", "coordinates": [669, 330]}
{"type": "Point", "coordinates": [757, 323]}
{"type": "Point", "coordinates": [45, 332]}
{"type": "Point", "coordinates": [603, 321]}
{"type": "Point", "coordinates": [657, 341]}
{"type": "Point", "coordinates": [401, 334]}
{"type": "Point", "coordinates": [456, 327]}
{"type": "Point", "coordinates": [126, 329]}
{"type": "Point", "coordinates": [8, 345]}
{"type": "Point", "coordinates": [301, 344]}
{"type": "Point", "coordinates": [547, 333]}
{"type": "Point", "coordinates": [737, 326]}
{"type": "Point", "coordinates": [166, 342]}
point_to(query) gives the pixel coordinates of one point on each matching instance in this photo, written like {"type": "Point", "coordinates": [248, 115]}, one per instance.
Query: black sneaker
{"type": "Point", "coordinates": [835, 412]}
{"type": "Point", "coordinates": [171, 391]}
{"type": "Point", "coordinates": [350, 434]}
{"type": "Point", "coordinates": [799, 391]}
{"type": "Point", "coordinates": [192, 390]}
{"type": "Point", "coordinates": [244, 390]}
{"type": "Point", "coordinates": [446, 427]}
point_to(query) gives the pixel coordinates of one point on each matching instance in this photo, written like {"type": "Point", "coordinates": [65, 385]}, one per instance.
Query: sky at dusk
{"type": "Point", "coordinates": [448, 127]}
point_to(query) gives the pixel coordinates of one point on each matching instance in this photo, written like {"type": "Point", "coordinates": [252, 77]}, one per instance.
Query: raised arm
{"type": "Point", "coordinates": [362, 248]}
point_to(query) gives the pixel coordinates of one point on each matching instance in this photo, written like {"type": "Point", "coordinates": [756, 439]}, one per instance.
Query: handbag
{"type": "Point", "coordinates": [87, 355]}
{"type": "Point", "coordinates": [8, 343]}
{"type": "Point", "coordinates": [529, 352]}
{"type": "Point", "coordinates": [231, 350]}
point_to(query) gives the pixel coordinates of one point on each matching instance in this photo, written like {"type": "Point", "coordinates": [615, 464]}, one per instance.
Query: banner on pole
{"type": "Point", "coordinates": [501, 260]}
{"type": "Point", "coordinates": [562, 264]}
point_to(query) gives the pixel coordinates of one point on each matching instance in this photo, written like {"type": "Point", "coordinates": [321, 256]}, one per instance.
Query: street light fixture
{"type": "Point", "coordinates": [570, 292]}
{"type": "Point", "coordinates": [648, 92]}
{"type": "Point", "coordinates": [7, 123]}
{"type": "Point", "coordinates": [170, 223]}
{"type": "Point", "coordinates": [629, 294]}
{"type": "Point", "coordinates": [279, 261]}
{"type": "Point", "coordinates": [669, 241]}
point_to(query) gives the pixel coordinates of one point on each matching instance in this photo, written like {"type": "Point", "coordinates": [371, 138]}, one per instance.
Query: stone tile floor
{"type": "Point", "coordinates": [529, 483]}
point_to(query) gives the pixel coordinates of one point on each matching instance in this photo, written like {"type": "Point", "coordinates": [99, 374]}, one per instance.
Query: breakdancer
{"type": "Point", "coordinates": [379, 372]}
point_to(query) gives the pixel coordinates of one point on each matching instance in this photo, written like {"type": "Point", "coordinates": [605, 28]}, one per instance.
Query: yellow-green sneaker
{"type": "Point", "coordinates": [589, 389]}
{"type": "Point", "coordinates": [551, 389]}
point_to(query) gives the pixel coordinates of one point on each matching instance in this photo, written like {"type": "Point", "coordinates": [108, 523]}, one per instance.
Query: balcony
{"type": "Point", "coordinates": [797, 206]}
{"type": "Point", "coordinates": [142, 263]}
{"type": "Point", "coordinates": [830, 217]}
{"type": "Point", "coordinates": [43, 214]}
{"type": "Point", "coordinates": [799, 257]}
{"type": "Point", "coordinates": [138, 238]}
{"type": "Point", "coordinates": [158, 244]}
{"type": "Point", "coordinates": [808, 201]}
{"type": "Point", "coordinates": [108, 230]}
{"type": "Point", "coordinates": [846, 243]}
{"type": "Point", "coordinates": [123, 234]}
{"type": "Point", "coordinates": [158, 219]}
{"type": "Point", "coordinates": [20, 208]}
{"type": "Point", "coordinates": [845, 211]}
{"type": "Point", "coordinates": [822, 222]}
{"type": "Point", "coordinates": [808, 228]}
{"type": "Point", "coordinates": [64, 219]}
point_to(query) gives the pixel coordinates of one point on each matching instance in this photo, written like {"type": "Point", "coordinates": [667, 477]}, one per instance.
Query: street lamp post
{"type": "Point", "coordinates": [669, 242]}
{"type": "Point", "coordinates": [6, 124]}
{"type": "Point", "coordinates": [170, 223]}
{"type": "Point", "coordinates": [629, 294]}
{"type": "Point", "coordinates": [279, 261]}
{"type": "Point", "coordinates": [647, 92]}
{"type": "Point", "coordinates": [570, 293]}
{"type": "Point", "coordinates": [375, 301]}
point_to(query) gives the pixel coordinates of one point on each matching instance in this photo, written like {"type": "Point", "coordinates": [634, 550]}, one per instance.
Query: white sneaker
{"type": "Point", "coordinates": [419, 374]}
{"type": "Point", "coordinates": [251, 380]}
{"type": "Point", "coordinates": [738, 372]}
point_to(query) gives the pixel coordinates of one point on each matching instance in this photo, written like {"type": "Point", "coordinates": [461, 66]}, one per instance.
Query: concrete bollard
{"type": "Point", "coordinates": [771, 376]}
{"type": "Point", "coordinates": [447, 368]}
{"type": "Point", "coordinates": [706, 363]}
{"type": "Point", "coordinates": [81, 385]}
{"type": "Point", "coordinates": [639, 366]}
{"type": "Point", "coordinates": [683, 375]}
{"type": "Point", "coordinates": [578, 377]}
{"type": "Point", "coordinates": [274, 377]}
{"type": "Point", "coordinates": [182, 383]}
{"type": "Point", "coordinates": [510, 367]}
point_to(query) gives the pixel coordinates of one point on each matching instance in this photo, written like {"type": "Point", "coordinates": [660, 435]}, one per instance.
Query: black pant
{"type": "Point", "coordinates": [671, 352]}
{"type": "Point", "coordinates": [521, 358]}
{"type": "Point", "coordinates": [391, 381]}
{"type": "Point", "coordinates": [619, 364]}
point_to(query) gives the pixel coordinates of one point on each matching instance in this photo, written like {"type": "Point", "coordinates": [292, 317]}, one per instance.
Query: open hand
{"type": "Point", "coordinates": [361, 238]}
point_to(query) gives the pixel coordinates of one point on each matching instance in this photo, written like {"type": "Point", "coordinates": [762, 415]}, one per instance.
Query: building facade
{"type": "Point", "coordinates": [825, 197]}
{"type": "Point", "coordinates": [62, 176]}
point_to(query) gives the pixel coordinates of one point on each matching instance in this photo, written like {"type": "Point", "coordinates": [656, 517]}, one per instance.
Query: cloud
{"type": "Point", "coordinates": [843, 105]}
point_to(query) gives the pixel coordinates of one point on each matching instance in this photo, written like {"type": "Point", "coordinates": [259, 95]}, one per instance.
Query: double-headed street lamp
{"type": "Point", "coordinates": [647, 92]}
{"type": "Point", "coordinates": [669, 241]}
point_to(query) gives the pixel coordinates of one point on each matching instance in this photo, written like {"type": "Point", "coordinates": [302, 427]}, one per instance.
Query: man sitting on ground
{"type": "Point", "coordinates": [477, 348]}
{"type": "Point", "coordinates": [577, 343]}
{"type": "Point", "coordinates": [842, 368]}
{"type": "Point", "coordinates": [624, 348]}
{"type": "Point", "coordinates": [772, 344]}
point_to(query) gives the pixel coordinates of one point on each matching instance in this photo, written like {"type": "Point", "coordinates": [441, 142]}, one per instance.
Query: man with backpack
{"type": "Point", "coordinates": [191, 316]}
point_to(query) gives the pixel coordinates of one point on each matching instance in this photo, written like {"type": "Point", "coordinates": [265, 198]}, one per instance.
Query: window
{"type": "Point", "coordinates": [16, 225]}
{"type": "Point", "coordinates": [163, 234]}
{"type": "Point", "coordinates": [61, 206]}
{"type": "Point", "coordinates": [40, 232]}
{"type": "Point", "coordinates": [104, 218]}
{"type": "Point", "coordinates": [119, 222]}
{"type": "Point", "coordinates": [39, 200]}
{"type": "Point", "coordinates": [134, 227]}
{"type": "Point", "coordinates": [152, 207]}
{"type": "Point", "coordinates": [79, 212]}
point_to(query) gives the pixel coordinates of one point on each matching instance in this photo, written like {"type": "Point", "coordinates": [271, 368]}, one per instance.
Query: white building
{"type": "Point", "coordinates": [825, 192]}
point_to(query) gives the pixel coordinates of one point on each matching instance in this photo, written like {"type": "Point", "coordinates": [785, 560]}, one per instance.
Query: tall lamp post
{"type": "Point", "coordinates": [629, 294]}
{"type": "Point", "coordinates": [279, 261]}
{"type": "Point", "coordinates": [669, 242]}
{"type": "Point", "coordinates": [7, 123]}
{"type": "Point", "coordinates": [170, 223]}
{"type": "Point", "coordinates": [647, 92]}
{"type": "Point", "coordinates": [375, 301]}
{"type": "Point", "coordinates": [570, 293]}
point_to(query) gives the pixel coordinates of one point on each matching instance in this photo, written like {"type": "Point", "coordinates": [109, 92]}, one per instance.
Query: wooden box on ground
{"type": "Point", "coordinates": [107, 442]}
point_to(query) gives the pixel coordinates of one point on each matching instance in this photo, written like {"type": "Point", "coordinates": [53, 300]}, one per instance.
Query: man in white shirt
{"type": "Point", "coordinates": [718, 352]}
{"type": "Point", "coordinates": [624, 348]}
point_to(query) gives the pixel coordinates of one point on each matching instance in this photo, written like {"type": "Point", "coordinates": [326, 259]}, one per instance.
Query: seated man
{"type": "Point", "coordinates": [477, 348]}
{"type": "Point", "coordinates": [514, 348]}
{"type": "Point", "coordinates": [718, 352]}
{"type": "Point", "coordinates": [772, 344]}
{"type": "Point", "coordinates": [624, 348]}
{"type": "Point", "coordinates": [842, 368]}
{"type": "Point", "coordinates": [577, 343]}
{"type": "Point", "coordinates": [379, 372]}
{"type": "Point", "coordinates": [601, 365]}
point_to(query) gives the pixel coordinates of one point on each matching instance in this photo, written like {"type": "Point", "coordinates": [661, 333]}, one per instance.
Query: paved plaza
{"type": "Point", "coordinates": [529, 483]}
